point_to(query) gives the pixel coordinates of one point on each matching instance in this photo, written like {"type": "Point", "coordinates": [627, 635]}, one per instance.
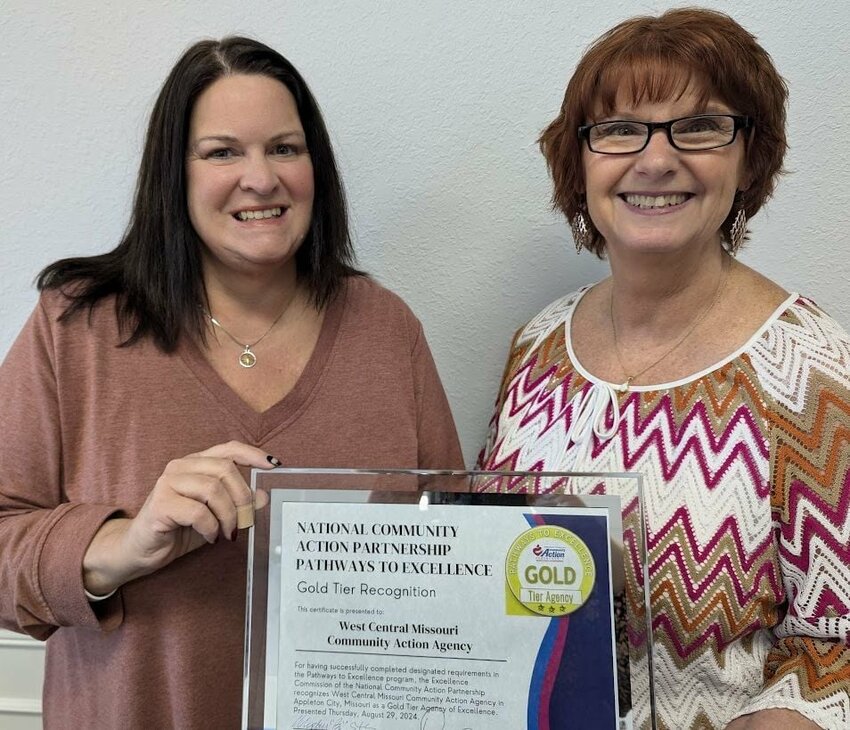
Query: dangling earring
{"type": "Point", "coordinates": [738, 231]}
{"type": "Point", "coordinates": [581, 231]}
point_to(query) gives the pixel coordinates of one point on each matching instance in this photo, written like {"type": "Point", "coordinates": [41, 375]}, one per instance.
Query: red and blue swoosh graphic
{"type": "Point", "coordinates": [573, 684]}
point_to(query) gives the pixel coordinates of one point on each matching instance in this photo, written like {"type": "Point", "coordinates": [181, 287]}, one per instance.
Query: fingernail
{"type": "Point", "coordinates": [233, 535]}
{"type": "Point", "coordinates": [274, 461]}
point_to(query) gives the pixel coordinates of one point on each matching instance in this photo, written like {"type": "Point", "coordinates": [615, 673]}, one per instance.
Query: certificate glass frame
{"type": "Point", "coordinates": [410, 599]}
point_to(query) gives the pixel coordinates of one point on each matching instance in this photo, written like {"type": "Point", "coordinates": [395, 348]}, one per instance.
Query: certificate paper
{"type": "Point", "coordinates": [396, 617]}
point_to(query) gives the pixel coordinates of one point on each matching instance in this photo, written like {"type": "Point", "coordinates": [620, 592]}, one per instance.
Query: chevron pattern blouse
{"type": "Point", "coordinates": [746, 469]}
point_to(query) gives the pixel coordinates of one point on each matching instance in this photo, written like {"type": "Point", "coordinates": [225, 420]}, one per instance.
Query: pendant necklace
{"type": "Point", "coordinates": [626, 384]}
{"type": "Point", "coordinates": [247, 358]}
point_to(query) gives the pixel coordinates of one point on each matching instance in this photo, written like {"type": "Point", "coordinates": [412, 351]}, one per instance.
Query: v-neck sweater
{"type": "Point", "coordinates": [87, 428]}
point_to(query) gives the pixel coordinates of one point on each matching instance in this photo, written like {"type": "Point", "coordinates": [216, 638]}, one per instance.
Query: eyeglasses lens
{"type": "Point", "coordinates": [692, 133]}
{"type": "Point", "coordinates": [703, 133]}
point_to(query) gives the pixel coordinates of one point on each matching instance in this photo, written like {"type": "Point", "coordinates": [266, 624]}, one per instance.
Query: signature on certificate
{"type": "Point", "coordinates": [305, 722]}
{"type": "Point", "coordinates": [435, 719]}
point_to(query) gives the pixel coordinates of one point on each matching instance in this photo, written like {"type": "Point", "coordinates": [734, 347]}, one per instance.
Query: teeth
{"type": "Point", "coordinates": [254, 215]}
{"type": "Point", "coordinates": [653, 201]}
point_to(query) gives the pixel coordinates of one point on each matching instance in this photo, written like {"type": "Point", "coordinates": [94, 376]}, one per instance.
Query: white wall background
{"type": "Point", "coordinates": [434, 107]}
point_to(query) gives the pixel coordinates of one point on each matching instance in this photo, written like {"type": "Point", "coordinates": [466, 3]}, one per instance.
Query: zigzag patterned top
{"type": "Point", "coordinates": [747, 477]}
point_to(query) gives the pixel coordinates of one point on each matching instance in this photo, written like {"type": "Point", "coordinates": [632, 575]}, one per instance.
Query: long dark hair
{"type": "Point", "coordinates": [155, 272]}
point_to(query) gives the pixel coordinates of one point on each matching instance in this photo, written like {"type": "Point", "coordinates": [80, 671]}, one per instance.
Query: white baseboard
{"type": "Point", "coordinates": [19, 641]}
{"type": "Point", "coordinates": [15, 706]}
{"type": "Point", "coordinates": [21, 672]}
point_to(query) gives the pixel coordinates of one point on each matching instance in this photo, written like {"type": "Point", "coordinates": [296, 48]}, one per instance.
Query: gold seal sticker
{"type": "Point", "coordinates": [549, 571]}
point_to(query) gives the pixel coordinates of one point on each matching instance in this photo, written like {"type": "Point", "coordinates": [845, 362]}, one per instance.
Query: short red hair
{"type": "Point", "coordinates": [655, 59]}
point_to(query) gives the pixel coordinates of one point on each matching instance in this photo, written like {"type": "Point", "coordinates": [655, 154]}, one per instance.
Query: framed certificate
{"type": "Point", "coordinates": [395, 599]}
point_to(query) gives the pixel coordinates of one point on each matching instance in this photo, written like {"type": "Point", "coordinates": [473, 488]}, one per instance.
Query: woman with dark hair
{"type": "Point", "coordinates": [228, 328]}
{"type": "Point", "coordinates": [730, 395]}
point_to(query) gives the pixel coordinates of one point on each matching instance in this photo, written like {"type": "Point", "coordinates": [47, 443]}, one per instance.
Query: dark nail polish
{"type": "Point", "coordinates": [234, 534]}
{"type": "Point", "coordinates": [274, 461]}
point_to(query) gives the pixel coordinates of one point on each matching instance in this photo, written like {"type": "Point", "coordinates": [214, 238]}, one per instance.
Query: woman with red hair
{"type": "Point", "coordinates": [729, 394]}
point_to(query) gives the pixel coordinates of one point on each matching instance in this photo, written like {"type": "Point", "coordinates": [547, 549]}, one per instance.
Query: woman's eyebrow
{"type": "Point", "coordinates": [231, 140]}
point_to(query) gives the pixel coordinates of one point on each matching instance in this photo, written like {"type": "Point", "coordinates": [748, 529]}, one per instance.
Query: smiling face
{"type": "Point", "coordinates": [249, 175]}
{"type": "Point", "coordinates": [662, 199]}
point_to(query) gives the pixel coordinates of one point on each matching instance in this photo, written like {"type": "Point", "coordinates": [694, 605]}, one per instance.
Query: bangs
{"type": "Point", "coordinates": [633, 80]}
{"type": "Point", "coordinates": [692, 55]}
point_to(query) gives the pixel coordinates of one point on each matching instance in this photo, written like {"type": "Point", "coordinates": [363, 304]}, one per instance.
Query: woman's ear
{"type": "Point", "coordinates": [745, 172]}
{"type": "Point", "coordinates": [745, 178]}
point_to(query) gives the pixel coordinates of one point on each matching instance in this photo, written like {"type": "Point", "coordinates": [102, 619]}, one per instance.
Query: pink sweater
{"type": "Point", "coordinates": [87, 427]}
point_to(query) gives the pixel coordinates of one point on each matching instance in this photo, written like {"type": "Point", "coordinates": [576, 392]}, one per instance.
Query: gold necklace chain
{"type": "Point", "coordinates": [626, 384]}
{"type": "Point", "coordinates": [247, 358]}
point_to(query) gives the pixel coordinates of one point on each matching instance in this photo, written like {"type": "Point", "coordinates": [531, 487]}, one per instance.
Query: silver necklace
{"type": "Point", "coordinates": [247, 358]}
{"type": "Point", "coordinates": [626, 384]}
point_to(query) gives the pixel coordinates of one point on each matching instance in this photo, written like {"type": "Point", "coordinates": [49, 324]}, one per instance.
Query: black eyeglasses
{"type": "Point", "coordinates": [700, 132]}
